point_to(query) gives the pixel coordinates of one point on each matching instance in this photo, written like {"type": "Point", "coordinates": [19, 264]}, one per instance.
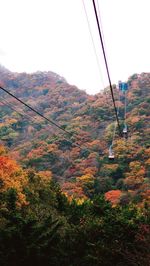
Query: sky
{"type": "Point", "coordinates": [53, 35]}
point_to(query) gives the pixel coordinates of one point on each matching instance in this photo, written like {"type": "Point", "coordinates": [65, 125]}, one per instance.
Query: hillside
{"type": "Point", "coordinates": [82, 171]}
{"type": "Point", "coordinates": [98, 213]}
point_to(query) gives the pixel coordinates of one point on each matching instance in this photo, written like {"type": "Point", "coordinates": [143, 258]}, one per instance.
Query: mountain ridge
{"type": "Point", "coordinates": [90, 120]}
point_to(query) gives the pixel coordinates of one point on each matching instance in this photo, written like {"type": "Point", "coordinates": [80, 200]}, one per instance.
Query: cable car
{"type": "Point", "coordinates": [125, 131]}
{"type": "Point", "coordinates": [111, 155]}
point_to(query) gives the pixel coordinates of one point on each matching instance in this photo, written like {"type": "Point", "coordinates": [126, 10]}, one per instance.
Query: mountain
{"type": "Point", "coordinates": [79, 160]}
{"type": "Point", "coordinates": [98, 211]}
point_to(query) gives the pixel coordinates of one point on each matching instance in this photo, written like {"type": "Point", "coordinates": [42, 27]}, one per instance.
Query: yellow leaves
{"type": "Point", "coordinates": [86, 182]}
{"type": "Point", "coordinates": [2, 150]}
{"type": "Point", "coordinates": [45, 176]}
{"type": "Point", "coordinates": [109, 130]}
{"type": "Point", "coordinates": [90, 170]}
{"type": "Point", "coordinates": [135, 165]}
{"type": "Point", "coordinates": [85, 178]}
{"type": "Point", "coordinates": [8, 122]}
{"type": "Point", "coordinates": [11, 121]}
{"type": "Point", "coordinates": [112, 167]}
{"type": "Point", "coordinates": [52, 148]}
{"type": "Point", "coordinates": [120, 148]}
{"type": "Point", "coordinates": [80, 201]}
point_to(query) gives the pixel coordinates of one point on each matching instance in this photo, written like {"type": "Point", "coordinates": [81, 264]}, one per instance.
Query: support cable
{"type": "Point", "coordinates": [111, 153]}
{"type": "Point", "coordinates": [94, 47]}
{"type": "Point", "coordinates": [115, 127]}
{"type": "Point", "coordinates": [100, 21]}
{"type": "Point", "coordinates": [35, 111]}
{"type": "Point", "coordinates": [107, 69]}
{"type": "Point", "coordinates": [125, 108]}
{"type": "Point", "coordinates": [7, 103]}
{"type": "Point", "coordinates": [45, 118]}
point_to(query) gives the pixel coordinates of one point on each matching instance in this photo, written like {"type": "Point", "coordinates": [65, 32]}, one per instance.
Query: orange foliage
{"type": "Point", "coordinates": [147, 162]}
{"type": "Point", "coordinates": [52, 148]}
{"type": "Point", "coordinates": [134, 119]}
{"type": "Point", "coordinates": [147, 152]}
{"type": "Point", "coordinates": [136, 176]}
{"type": "Point", "coordinates": [113, 196]}
{"type": "Point", "coordinates": [12, 176]}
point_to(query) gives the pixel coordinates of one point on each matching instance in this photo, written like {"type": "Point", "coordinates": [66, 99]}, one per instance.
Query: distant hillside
{"type": "Point", "coordinates": [81, 172]}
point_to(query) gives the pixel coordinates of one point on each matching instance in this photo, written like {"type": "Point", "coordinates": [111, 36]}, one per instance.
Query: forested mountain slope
{"type": "Point", "coordinates": [85, 170]}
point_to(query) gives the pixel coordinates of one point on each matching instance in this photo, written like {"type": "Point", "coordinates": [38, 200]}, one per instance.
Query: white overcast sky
{"type": "Point", "coordinates": [53, 35]}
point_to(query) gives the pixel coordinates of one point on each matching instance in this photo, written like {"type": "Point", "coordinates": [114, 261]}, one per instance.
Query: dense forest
{"type": "Point", "coordinates": [62, 201]}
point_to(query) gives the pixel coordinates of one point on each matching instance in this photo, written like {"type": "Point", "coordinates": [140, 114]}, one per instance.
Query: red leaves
{"type": "Point", "coordinates": [113, 196]}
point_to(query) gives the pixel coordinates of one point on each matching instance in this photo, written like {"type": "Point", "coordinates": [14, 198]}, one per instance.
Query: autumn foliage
{"type": "Point", "coordinates": [68, 204]}
{"type": "Point", "coordinates": [82, 170]}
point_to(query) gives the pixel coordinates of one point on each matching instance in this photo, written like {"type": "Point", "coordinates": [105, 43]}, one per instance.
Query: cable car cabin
{"type": "Point", "coordinates": [111, 155]}
{"type": "Point", "coordinates": [125, 132]}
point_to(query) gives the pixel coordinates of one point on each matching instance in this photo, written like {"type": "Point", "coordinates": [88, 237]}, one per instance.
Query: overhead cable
{"type": "Point", "coordinates": [37, 112]}
{"type": "Point", "coordinates": [45, 118]}
{"type": "Point", "coordinates": [100, 21]}
{"type": "Point", "coordinates": [106, 64]}
{"type": "Point", "coordinates": [115, 127]}
{"type": "Point", "coordinates": [7, 103]}
{"type": "Point", "coordinates": [94, 47]}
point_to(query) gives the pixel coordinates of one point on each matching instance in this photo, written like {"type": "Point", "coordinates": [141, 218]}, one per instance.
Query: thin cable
{"type": "Point", "coordinates": [19, 112]}
{"type": "Point", "coordinates": [107, 69]}
{"type": "Point", "coordinates": [44, 117]}
{"type": "Point", "coordinates": [94, 47]}
{"type": "Point", "coordinates": [125, 107]}
{"type": "Point", "coordinates": [9, 105]}
{"type": "Point", "coordinates": [115, 128]}
{"type": "Point", "coordinates": [100, 21]}
{"type": "Point", "coordinates": [5, 102]}
{"type": "Point", "coordinates": [31, 119]}
{"type": "Point", "coordinates": [37, 112]}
